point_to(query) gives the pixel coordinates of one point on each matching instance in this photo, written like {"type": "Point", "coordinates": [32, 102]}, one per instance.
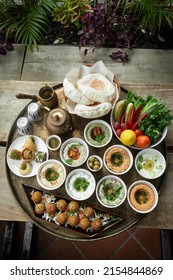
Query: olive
{"type": "Point", "coordinates": [91, 164]}
{"type": "Point", "coordinates": [96, 162]}
{"type": "Point", "coordinates": [91, 159]}
{"type": "Point", "coordinates": [96, 167]}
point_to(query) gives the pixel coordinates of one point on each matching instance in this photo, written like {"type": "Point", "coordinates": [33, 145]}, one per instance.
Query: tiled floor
{"type": "Point", "coordinates": [133, 244]}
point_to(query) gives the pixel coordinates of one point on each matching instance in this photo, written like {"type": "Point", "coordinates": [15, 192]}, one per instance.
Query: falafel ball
{"type": "Point", "coordinates": [36, 196]}
{"type": "Point", "coordinates": [84, 223]}
{"type": "Point", "coordinates": [61, 205]}
{"type": "Point", "coordinates": [51, 209]}
{"type": "Point", "coordinates": [61, 218]}
{"type": "Point", "coordinates": [88, 212]}
{"type": "Point", "coordinates": [96, 224]}
{"type": "Point", "coordinates": [40, 208]}
{"type": "Point", "coordinates": [73, 220]}
{"type": "Point", "coordinates": [73, 206]}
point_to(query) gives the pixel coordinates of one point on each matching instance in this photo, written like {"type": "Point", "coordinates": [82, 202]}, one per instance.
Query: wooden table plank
{"type": "Point", "coordinates": [9, 208]}
{"type": "Point", "coordinates": [52, 63]}
{"type": "Point", "coordinates": [11, 64]}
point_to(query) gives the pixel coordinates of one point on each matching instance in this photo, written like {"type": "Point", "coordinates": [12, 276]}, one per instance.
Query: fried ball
{"type": "Point", "coordinates": [40, 208]}
{"type": "Point", "coordinates": [51, 209]}
{"type": "Point", "coordinates": [84, 223]}
{"type": "Point", "coordinates": [73, 220]}
{"type": "Point", "coordinates": [61, 218]}
{"type": "Point", "coordinates": [61, 205]}
{"type": "Point", "coordinates": [88, 212]}
{"type": "Point", "coordinates": [73, 206]}
{"type": "Point", "coordinates": [36, 196]}
{"type": "Point", "coordinates": [96, 224]}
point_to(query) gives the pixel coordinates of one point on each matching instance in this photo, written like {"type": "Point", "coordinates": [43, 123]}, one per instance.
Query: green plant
{"type": "Point", "coordinates": [27, 21]}
{"type": "Point", "coordinates": [154, 14]}
{"type": "Point", "coordinates": [70, 12]}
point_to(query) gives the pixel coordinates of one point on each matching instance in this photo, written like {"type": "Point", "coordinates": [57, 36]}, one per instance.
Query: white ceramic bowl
{"type": "Point", "coordinates": [154, 144]}
{"type": "Point", "coordinates": [148, 196]}
{"type": "Point", "coordinates": [56, 142]}
{"type": "Point", "coordinates": [76, 182]}
{"type": "Point", "coordinates": [92, 164]}
{"type": "Point", "coordinates": [81, 153]}
{"type": "Point", "coordinates": [107, 133]}
{"type": "Point", "coordinates": [52, 167]}
{"type": "Point", "coordinates": [122, 158]}
{"type": "Point", "coordinates": [103, 192]}
{"type": "Point", "coordinates": [150, 163]}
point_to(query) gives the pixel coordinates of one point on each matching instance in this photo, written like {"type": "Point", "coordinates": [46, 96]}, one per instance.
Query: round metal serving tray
{"type": "Point", "coordinates": [17, 183]}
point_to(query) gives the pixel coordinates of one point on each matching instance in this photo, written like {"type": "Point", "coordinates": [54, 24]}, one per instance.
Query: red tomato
{"type": "Point", "coordinates": [138, 132]}
{"type": "Point", "coordinates": [142, 141]}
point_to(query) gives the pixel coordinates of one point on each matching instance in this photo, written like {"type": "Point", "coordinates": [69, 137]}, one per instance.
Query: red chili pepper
{"type": "Point", "coordinates": [123, 117]}
{"type": "Point", "coordinates": [131, 119]}
{"type": "Point", "coordinates": [137, 113]}
{"type": "Point", "coordinates": [135, 125]}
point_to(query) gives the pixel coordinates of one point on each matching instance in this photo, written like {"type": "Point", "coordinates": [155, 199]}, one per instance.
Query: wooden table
{"type": "Point", "coordinates": [10, 107]}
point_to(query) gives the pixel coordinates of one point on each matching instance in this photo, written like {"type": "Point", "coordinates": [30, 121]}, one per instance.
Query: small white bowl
{"type": "Point", "coordinates": [116, 182]}
{"type": "Point", "coordinates": [123, 157]}
{"type": "Point", "coordinates": [105, 127]}
{"type": "Point", "coordinates": [139, 188]}
{"type": "Point", "coordinates": [93, 167]}
{"type": "Point", "coordinates": [57, 142]}
{"type": "Point", "coordinates": [80, 194]}
{"type": "Point", "coordinates": [83, 151]}
{"type": "Point", "coordinates": [47, 166]}
{"type": "Point", "coordinates": [150, 163]}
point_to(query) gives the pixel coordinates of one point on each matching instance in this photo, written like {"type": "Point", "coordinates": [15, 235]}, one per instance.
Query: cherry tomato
{"type": "Point", "coordinates": [138, 132]}
{"type": "Point", "coordinates": [142, 141]}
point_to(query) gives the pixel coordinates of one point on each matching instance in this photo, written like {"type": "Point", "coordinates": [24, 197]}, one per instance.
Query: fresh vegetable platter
{"type": "Point", "coordinates": [140, 122]}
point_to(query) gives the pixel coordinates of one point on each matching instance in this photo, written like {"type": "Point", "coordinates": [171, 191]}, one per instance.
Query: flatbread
{"type": "Point", "coordinates": [94, 111]}
{"type": "Point", "coordinates": [97, 87]}
{"type": "Point", "coordinates": [72, 92]}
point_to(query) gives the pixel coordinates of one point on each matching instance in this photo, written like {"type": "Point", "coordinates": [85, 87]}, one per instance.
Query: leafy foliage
{"type": "Point", "coordinates": [70, 12]}
{"type": "Point", "coordinates": [154, 14]}
{"type": "Point", "coordinates": [102, 28]}
{"type": "Point", "coordinates": [28, 20]}
{"type": "Point", "coordinates": [5, 45]}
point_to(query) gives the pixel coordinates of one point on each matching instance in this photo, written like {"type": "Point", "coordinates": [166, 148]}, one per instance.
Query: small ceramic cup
{"type": "Point", "coordinates": [35, 112]}
{"type": "Point", "coordinates": [25, 126]}
{"type": "Point", "coordinates": [53, 142]}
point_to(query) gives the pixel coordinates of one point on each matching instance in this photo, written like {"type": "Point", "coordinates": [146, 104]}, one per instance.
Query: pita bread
{"type": "Point", "coordinates": [94, 111]}
{"type": "Point", "coordinates": [74, 94]}
{"type": "Point", "coordinates": [97, 87]}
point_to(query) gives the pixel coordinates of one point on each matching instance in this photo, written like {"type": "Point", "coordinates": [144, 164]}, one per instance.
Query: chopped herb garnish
{"type": "Point", "coordinates": [81, 184]}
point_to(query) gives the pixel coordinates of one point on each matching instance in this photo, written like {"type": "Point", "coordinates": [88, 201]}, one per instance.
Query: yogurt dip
{"type": "Point", "coordinates": [80, 184]}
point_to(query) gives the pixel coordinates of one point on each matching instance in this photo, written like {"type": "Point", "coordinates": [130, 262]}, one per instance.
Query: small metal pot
{"type": "Point", "coordinates": [47, 97]}
{"type": "Point", "coordinates": [58, 121]}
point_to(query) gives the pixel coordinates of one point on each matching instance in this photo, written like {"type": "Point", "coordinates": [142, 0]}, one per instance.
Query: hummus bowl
{"type": "Point", "coordinates": [118, 159]}
{"type": "Point", "coordinates": [98, 133]}
{"type": "Point", "coordinates": [111, 191]}
{"type": "Point", "coordinates": [80, 184]}
{"type": "Point", "coordinates": [142, 196]}
{"type": "Point", "coordinates": [51, 174]}
{"type": "Point", "coordinates": [150, 163]}
{"type": "Point", "coordinates": [74, 152]}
